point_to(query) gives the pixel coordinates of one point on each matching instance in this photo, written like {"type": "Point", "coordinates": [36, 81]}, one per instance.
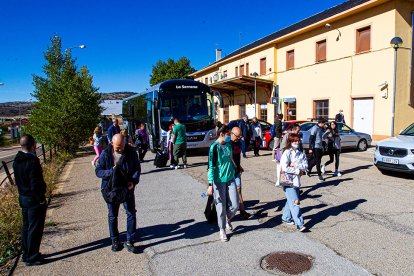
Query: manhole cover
{"type": "Point", "coordinates": [287, 262]}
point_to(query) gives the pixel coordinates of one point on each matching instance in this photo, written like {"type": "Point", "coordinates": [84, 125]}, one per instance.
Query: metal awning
{"type": "Point", "coordinates": [245, 84]}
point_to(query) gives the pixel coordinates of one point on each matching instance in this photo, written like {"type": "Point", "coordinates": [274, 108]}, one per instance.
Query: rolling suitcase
{"type": "Point", "coordinates": [161, 159]}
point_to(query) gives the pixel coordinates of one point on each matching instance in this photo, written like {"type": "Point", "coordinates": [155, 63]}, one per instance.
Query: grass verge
{"type": "Point", "coordinates": [10, 212]}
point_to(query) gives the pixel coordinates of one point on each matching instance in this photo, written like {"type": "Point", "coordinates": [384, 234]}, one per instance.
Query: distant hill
{"type": "Point", "coordinates": [11, 109]}
{"type": "Point", "coordinates": [116, 95]}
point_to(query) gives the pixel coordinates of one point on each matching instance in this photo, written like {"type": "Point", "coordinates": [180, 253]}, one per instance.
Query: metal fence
{"type": "Point", "coordinates": [6, 167]}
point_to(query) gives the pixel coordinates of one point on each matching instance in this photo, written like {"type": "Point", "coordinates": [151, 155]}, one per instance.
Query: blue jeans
{"type": "Point", "coordinates": [245, 145]}
{"type": "Point", "coordinates": [113, 210]}
{"type": "Point", "coordinates": [292, 210]}
{"type": "Point", "coordinates": [227, 201]}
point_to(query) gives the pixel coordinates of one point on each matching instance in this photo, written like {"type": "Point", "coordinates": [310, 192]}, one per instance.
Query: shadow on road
{"type": "Point", "coordinates": [312, 220]}
{"type": "Point", "coordinates": [308, 189]}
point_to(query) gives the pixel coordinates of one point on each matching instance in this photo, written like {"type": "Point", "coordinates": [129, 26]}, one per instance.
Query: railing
{"type": "Point", "coordinates": [6, 169]}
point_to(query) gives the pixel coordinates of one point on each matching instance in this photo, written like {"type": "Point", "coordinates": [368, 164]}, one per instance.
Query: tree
{"type": "Point", "coordinates": [67, 108]}
{"type": "Point", "coordinates": [162, 71]}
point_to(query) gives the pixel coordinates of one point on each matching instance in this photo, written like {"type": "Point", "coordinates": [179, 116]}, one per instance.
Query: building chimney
{"type": "Point", "coordinates": [218, 54]}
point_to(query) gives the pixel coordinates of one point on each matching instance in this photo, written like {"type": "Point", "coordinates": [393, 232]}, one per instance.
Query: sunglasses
{"type": "Point", "coordinates": [237, 136]}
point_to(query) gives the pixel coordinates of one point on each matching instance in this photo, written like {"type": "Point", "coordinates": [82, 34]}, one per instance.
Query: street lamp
{"type": "Point", "coordinates": [82, 46]}
{"type": "Point", "coordinates": [327, 25]}
{"type": "Point", "coordinates": [396, 42]}
{"type": "Point", "coordinates": [255, 75]}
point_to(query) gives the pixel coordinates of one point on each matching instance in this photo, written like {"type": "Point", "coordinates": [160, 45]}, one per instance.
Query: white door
{"type": "Point", "coordinates": [364, 115]}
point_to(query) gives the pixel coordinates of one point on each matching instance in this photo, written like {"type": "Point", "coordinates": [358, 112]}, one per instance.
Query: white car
{"type": "Point", "coordinates": [396, 153]}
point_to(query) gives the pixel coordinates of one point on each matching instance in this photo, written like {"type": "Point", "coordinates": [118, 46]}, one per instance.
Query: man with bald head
{"type": "Point", "coordinates": [119, 166]}
{"type": "Point", "coordinates": [32, 188]}
{"type": "Point", "coordinates": [236, 135]}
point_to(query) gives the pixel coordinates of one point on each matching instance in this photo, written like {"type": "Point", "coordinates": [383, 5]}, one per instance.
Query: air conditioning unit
{"type": "Point", "coordinates": [215, 77]}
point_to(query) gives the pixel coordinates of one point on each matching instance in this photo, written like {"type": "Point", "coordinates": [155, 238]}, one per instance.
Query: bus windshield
{"type": "Point", "coordinates": [192, 108]}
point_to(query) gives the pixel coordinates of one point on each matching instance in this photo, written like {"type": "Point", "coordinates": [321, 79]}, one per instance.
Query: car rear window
{"type": "Point", "coordinates": [306, 126]}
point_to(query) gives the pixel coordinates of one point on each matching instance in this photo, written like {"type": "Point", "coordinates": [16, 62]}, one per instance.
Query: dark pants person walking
{"type": "Point", "coordinates": [333, 152]}
{"type": "Point", "coordinates": [256, 145]}
{"type": "Point", "coordinates": [113, 211]}
{"type": "Point", "coordinates": [317, 154]}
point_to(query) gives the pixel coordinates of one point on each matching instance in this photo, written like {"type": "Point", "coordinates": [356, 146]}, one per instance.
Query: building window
{"type": "Point", "coordinates": [236, 71]}
{"type": "Point", "coordinates": [290, 59]}
{"type": "Point", "coordinates": [226, 114]}
{"type": "Point", "coordinates": [206, 80]}
{"type": "Point", "coordinates": [263, 66]}
{"type": "Point", "coordinates": [321, 109]}
{"type": "Point", "coordinates": [290, 111]}
{"type": "Point", "coordinates": [225, 74]}
{"type": "Point", "coordinates": [263, 112]}
{"type": "Point", "coordinates": [247, 69]}
{"type": "Point", "coordinates": [241, 70]}
{"type": "Point", "coordinates": [321, 51]}
{"type": "Point", "coordinates": [242, 110]}
{"type": "Point", "coordinates": [363, 40]}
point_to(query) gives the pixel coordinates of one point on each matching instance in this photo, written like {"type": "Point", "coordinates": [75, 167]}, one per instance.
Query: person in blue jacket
{"type": "Point", "coordinates": [122, 157]}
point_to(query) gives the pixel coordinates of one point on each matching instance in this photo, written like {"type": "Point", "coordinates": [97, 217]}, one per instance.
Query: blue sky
{"type": "Point", "coordinates": [125, 38]}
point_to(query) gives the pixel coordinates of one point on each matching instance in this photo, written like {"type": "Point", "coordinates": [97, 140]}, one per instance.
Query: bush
{"type": "Point", "coordinates": [10, 223]}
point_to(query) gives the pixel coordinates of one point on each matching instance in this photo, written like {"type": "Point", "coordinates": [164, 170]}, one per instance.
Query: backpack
{"type": "Point", "coordinates": [116, 190]}
{"type": "Point", "coordinates": [273, 130]}
{"type": "Point", "coordinates": [91, 141]}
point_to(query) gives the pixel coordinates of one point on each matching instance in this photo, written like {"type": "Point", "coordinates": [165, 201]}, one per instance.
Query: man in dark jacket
{"type": "Point", "coordinates": [32, 188]}
{"type": "Point", "coordinates": [113, 129]}
{"type": "Point", "coordinates": [122, 158]}
{"type": "Point", "coordinates": [278, 125]}
{"type": "Point", "coordinates": [246, 131]}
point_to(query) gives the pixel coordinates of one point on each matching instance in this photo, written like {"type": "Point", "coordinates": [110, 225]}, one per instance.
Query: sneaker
{"type": "Point", "coordinates": [37, 262]}
{"type": "Point", "coordinates": [176, 167]}
{"type": "Point", "coordinates": [93, 164]}
{"type": "Point", "coordinates": [337, 173]}
{"type": "Point", "coordinates": [172, 166]}
{"type": "Point", "coordinates": [223, 236]}
{"type": "Point", "coordinates": [322, 169]}
{"type": "Point", "coordinates": [185, 166]}
{"type": "Point", "coordinates": [229, 227]}
{"type": "Point", "coordinates": [244, 156]}
{"type": "Point", "coordinates": [288, 222]}
{"type": "Point", "coordinates": [321, 178]}
{"type": "Point", "coordinates": [302, 228]}
{"type": "Point", "coordinates": [245, 215]}
{"type": "Point", "coordinates": [129, 246]}
{"type": "Point", "coordinates": [116, 246]}
{"type": "Point", "coordinates": [273, 160]}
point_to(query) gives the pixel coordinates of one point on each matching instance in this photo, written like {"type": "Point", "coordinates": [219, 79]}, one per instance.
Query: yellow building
{"type": "Point", "coordinates": [338, 59]}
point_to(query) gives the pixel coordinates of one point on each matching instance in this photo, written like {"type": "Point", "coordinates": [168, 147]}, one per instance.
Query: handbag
{"type": "Point", "coordinates": [283, 178]}
{"type": "Point", "coordinates": [210, 211]}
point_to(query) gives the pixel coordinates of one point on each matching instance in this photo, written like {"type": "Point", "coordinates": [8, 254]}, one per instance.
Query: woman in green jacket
{"type": "Point", "coordinates": [221, 169]}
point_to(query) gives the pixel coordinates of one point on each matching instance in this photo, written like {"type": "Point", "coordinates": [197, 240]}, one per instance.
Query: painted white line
{"type": "Point", "coordinates": [4, 156]}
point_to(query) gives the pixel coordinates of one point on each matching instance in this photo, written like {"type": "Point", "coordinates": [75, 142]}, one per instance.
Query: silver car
{"type": "Point", "coordinates": [349, 138]}
{"type": "Point", "coordinates": [396, 153]}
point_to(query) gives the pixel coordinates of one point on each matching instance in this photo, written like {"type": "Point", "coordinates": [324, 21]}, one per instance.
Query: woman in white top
{"type": "Point", "coordinates": [257, 135]}
{"type": "Point", "coordinates": [294, 165]}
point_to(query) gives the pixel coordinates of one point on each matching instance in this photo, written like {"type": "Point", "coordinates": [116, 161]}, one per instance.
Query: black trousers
{"type": "Point", "coordinates": [333, 152]}
{"type": "Point", "coordinates": [33, 214]}
{"type": "Point", "coordinates": [316, 161]}
{"type": "Point", "coordinates": [256, 145]}
{"type": "Point", "coordinates": [142, 150]}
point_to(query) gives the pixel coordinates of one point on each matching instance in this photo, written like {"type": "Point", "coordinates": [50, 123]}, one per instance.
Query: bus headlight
{"type": "Point", "coordinates": [211, 135]}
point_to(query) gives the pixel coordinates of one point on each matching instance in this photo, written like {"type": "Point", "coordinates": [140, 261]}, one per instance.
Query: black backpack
{"type": "Point", "coordinates": [116, 190]}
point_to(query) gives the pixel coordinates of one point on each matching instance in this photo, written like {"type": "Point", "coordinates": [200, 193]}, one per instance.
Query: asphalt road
{"type": "Point", "coordinates": [359, 224]}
